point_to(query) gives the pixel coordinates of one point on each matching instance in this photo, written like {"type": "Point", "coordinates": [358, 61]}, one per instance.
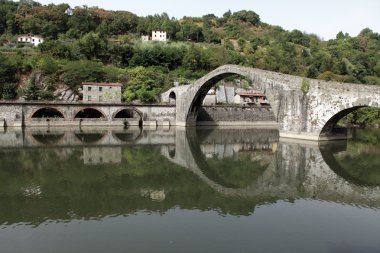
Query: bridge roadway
{"type": "Point", "coordinates": [295, 169]}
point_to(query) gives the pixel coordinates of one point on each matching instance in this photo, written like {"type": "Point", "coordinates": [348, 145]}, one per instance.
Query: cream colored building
{"type": "Point", "coordinates": [251, 98]}
{"type": "Point", "coordinates": [101, 92]}
{"type": "Point", "coordinates": [30, 38]}
{"type": "Point", "coordinates": [145, 38]}
{"type": "Point", "coordinates": [159, 36]}
{"type": "Point", "coordinates": [156, 36]}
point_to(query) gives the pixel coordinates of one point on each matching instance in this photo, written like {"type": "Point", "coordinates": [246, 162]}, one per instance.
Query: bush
{"type": "Point", "coordinates": [9, 91]}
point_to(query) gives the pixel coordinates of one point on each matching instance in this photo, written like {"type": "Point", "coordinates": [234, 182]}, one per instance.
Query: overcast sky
{"type": "Point", "coordinates": [322, 17]}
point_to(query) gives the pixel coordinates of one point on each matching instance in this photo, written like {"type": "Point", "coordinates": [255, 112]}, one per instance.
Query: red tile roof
{"type": "Point", "coordinates": [251, 94]}
{"type": "Point", "coordinates": [103, 84]}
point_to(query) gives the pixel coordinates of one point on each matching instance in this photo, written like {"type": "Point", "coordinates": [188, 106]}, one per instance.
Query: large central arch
{"type": "Point", "coordinates": [189, 103]}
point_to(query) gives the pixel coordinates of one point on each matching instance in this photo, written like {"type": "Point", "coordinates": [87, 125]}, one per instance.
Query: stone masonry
{"type": "Point", "coordinates": [303, 108]}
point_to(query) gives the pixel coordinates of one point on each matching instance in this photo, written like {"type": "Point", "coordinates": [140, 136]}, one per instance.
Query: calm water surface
{"type": "Point", "coordinates": [210, 190]}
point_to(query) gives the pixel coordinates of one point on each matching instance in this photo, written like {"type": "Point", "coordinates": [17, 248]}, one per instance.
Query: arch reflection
{"type": "Point", "coordinates": [234, 159]}
{"type": "Point", "coordinates": [48, 138]}
{"type": "Point", "coordinates": [357, 160]}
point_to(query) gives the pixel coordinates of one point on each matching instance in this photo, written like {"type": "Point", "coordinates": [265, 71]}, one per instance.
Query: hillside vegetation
{"type": "Point", "coordinates": [92, 44]}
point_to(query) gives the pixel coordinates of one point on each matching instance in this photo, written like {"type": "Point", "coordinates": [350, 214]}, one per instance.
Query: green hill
{"type": "Point", "coordinates": [92, 44]}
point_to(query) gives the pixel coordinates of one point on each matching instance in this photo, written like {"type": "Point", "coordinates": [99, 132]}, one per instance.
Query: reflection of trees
{"type": "Point", "coordinates": [239, 171]}
{"type": "Point", "coordinates": [53, 183]}
{"type": "Point", "coordinates": [229, 158]}
{"type": "Point", "coordinates": [36, 187]}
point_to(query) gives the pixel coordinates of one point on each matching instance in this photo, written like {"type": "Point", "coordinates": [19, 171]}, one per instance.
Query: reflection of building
{"type": "Point", "coordinates": [101, 92]}
{"type": "Point", "coordinates": [30, 38]}
{"type": "Point", "coordinates": [156, 195]}
{"type": "Point", "coordinates": [102, 155]}
{"type": "Point", "coordinates": [225, 150]}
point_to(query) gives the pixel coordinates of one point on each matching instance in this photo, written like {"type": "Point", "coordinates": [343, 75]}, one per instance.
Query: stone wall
{"type": "Point", "coordinates": [11, 115]}
{"type": "Point", "coordinates": [235, 113]}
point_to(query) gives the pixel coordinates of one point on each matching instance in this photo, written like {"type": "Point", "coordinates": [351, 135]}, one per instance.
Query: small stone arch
{"type": "Point", "coordinates": [127, 112]}
{"type": "Point", "coordinates": [89, 113]}
{"type": "Point", "coordinates": [47, 112]}
{"type": "Point", "coordinates": [172, 98]}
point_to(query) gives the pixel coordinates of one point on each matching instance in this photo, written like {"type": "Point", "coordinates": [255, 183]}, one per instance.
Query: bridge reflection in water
{"type": "Point", "coordinates": [63, 174]}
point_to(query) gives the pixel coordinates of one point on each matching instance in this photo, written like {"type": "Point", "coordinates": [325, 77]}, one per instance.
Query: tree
{"type": "Point", "coordinates": [8, 78]}
{"type": "Point", "coordinates": [82, 20]}
{"type": "Point", "coordinates": [246, 17]}
{"type": "Point", "coordinates": [7, 15]}
{"type": "Point", "coordinates": [31, 91]}
{"type": "Point", "coordinates": [93, 46]}
{"type": "Point", "coordinates": [298, 37]}
{"type": "Point", "coordinates": [195, 59]}
{"type": "Point", "coordinates": [144, 84]}
{"type": "Point", "coordinates": [74, 73]}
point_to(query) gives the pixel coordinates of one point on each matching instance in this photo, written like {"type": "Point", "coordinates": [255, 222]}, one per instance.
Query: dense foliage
{"type": "Point", "coordinates": [92, 44]}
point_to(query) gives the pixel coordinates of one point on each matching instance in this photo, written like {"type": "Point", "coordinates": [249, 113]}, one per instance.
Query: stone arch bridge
{"type": "Point", "coordinates": [304, 108]}
{"type": "Point", "coordinates": [84, 114]}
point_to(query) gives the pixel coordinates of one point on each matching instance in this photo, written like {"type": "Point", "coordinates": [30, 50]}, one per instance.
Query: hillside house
{"type": "Point", "coordinates": [30, 38]}
{"type": "Point", "coordinates": [251, 98]}
{"type": "Point", "coordinates": [159, 36]}
{"type": "Point", "coordinates": [156, 36]}
{"type": "Point", "coordinates": [101, 92]}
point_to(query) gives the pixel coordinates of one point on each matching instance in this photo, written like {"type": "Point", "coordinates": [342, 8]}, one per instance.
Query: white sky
{"type": "Point", "coordinates": [322, 17]}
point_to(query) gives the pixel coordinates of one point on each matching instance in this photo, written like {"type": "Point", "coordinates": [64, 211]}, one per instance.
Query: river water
{"type": "Point", "coordinates": [177, 190]}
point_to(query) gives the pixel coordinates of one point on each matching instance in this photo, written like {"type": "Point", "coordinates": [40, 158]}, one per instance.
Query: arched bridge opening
{"type": "Point", "coordinates": [129, 116]}
{"type": "Point", "coordinates": [172, 98]}
{"type": "Point", "coordinates": [47, 112]}
{"type": "Point", "coordinates": [356, 116]}
{"type": "Point", "coordinates": [89, 113]}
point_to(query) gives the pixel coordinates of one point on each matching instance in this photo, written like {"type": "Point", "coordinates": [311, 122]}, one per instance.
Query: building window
{"type": "Point", "coordinates": [89, 98]}
{"type": "Point", "coordinates": [110, 88]}
{"type": "Point", "coordinates": [89, 88]}
{"type": "Point", "coordinates": [100, 88]}
{"type": "Point", "coordinates": [100, 98]}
